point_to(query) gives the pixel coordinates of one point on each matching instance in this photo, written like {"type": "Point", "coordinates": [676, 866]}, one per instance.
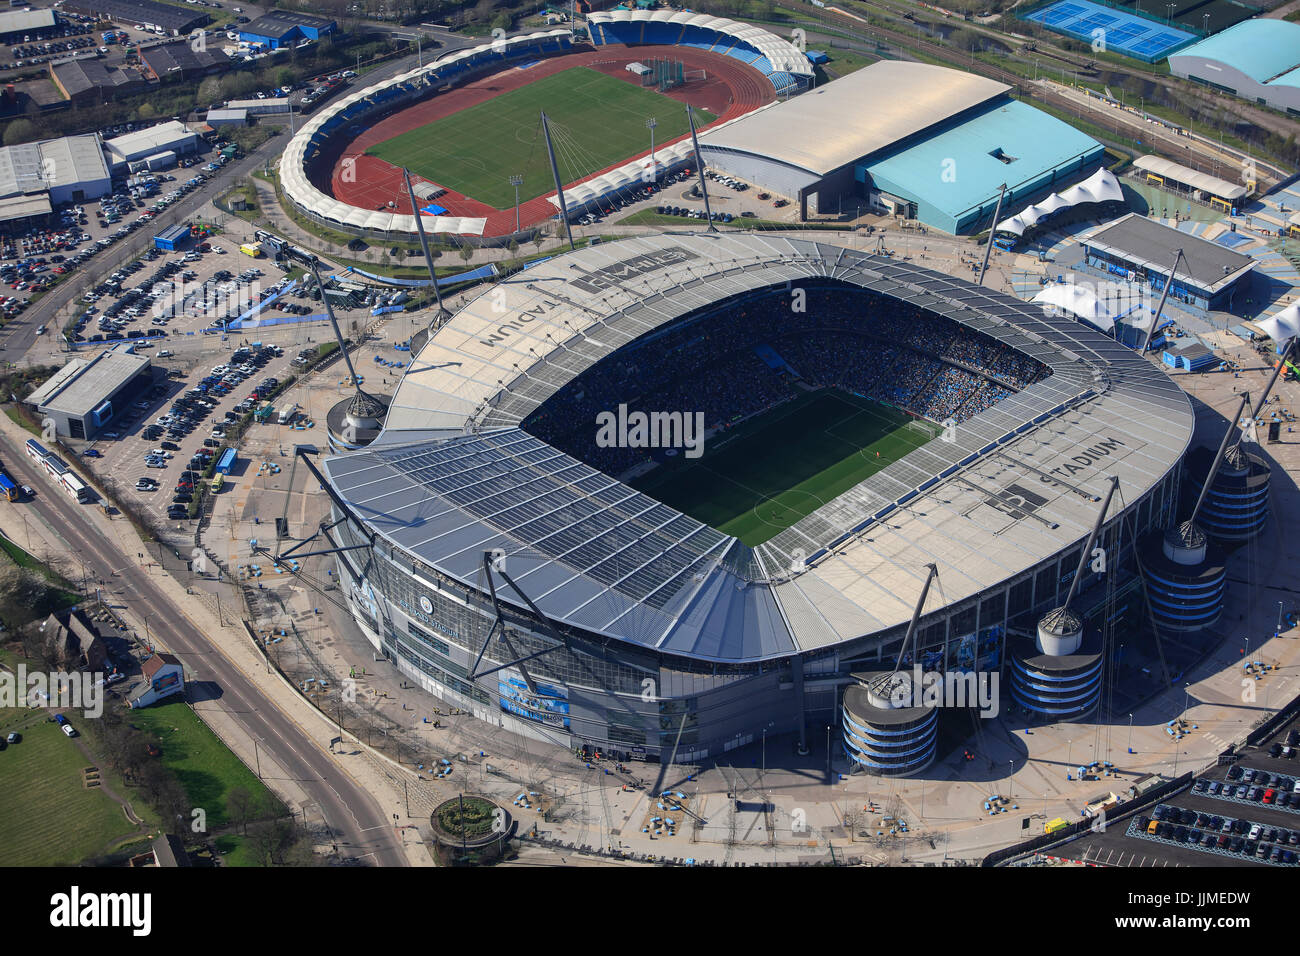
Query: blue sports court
{"type": "Point", "coordinates": [1125, 33]}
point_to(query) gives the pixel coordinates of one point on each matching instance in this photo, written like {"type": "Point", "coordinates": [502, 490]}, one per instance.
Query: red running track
{"type": "Point", "coordinates": [732, 89]}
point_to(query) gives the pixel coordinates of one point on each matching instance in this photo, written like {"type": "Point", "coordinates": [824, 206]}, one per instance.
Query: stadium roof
{"type": "Point", "coordinates": [79, 387]}
{"type": "Point", "coordinates": [876, 107]}
{"type": "Point", "coordinates": [453, 475]}
{"type": "Point", "coordinates": [1260, 48]}
{"type": "Point", "coordinates": [783, 55]}
{"type": "Point", "coordinates": [12, 21]}
{"type": "Point", "coordinates": [1032, 142]}
{"type": "Point", "coordinates": [1151, 245]}
{"type": "Point", "coordinates": [1190, 177]}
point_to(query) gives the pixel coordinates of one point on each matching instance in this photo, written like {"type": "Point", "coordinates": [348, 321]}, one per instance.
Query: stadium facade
{"type": "Point", "coordinates": [471, 545]}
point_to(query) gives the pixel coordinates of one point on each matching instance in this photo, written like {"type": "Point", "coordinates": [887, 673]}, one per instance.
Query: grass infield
{"type": "Point", "coordinates": [769, 472]}
{"type": "Point", "coordinates": [596, 121]}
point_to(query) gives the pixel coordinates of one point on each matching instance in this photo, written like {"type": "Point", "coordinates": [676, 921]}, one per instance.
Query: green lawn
{"type": "Point", "coordinates": [596, 121]}
{"type": "Point", "coordinates": [47, 817]}
{"type": "Point", "coordinates": [204, 766]}
{"type": "Point", "coordinates": [785, 464]}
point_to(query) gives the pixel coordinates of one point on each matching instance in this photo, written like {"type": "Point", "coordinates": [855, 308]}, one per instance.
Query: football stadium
{"type": "Point", "coordinates": [878, 440]}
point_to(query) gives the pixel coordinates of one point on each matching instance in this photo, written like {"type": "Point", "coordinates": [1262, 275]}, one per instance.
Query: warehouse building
{"type": "Point", "coordinates": [1140, 249]}
{"type": "Point", "coordinates": [265, 107]}
{"type": "Point", "coordinates": [935, 144]}
{"type": "Point", "coordinates": [86, 394]}
{"type": "Point", "coordinates": [161, 18]}
{"type": "Point", "coordinates": [89, 82]}
{"type": "Point", "coordinates": [36, 177]}
{"type": "Point", "coordinates": [180, 61]}
{"type": "Point", "coordinates": [227, 117]}
{"type": "Point", "coordinates": [1256, 60]}
{"type": "Point", "coordinates": [27, 26]}
{"type": "Point", "coordinates": [277, 28]}
{"type": "Point", "coordinates": [171, 136]}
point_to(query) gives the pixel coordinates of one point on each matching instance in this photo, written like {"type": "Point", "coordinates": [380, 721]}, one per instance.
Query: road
{"type": "Point", "coordinates": [358, 825]}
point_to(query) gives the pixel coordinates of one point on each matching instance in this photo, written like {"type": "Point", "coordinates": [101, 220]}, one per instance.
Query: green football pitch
{"type": "Point", "coordinates": [596, 121]}
{"type": "Point", "coordinates": [774, 469]}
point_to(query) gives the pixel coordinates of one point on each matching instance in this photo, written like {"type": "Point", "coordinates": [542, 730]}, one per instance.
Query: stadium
{"type": "Point", "coordinates": [866, 418]}
{"type": "Point", "coordinates": [468, 128]}
{"type": "Point", "coordinates": [343, 168]}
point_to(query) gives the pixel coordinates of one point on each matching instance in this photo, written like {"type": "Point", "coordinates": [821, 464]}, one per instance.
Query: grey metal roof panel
{"type": "Point", "coordinates": [595, 554]}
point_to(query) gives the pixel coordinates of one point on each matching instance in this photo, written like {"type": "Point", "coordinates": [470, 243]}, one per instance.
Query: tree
{"type": "Point", "coordinates": [209, 91]}
{"type": "Point", "coordinates": [146, 111]}
{"type": "Point", "coordinates": [239, 804]}
{"type": "Point", "coordinates": [238, 84]}
{"type": "Point", "coordinates": [467, 253]}
{"type": "Point", "coordinates": [19, 131]}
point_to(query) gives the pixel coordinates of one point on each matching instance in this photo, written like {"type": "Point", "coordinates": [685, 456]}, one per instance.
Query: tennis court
{"type": "Point", "coordinates": [1122, 32]}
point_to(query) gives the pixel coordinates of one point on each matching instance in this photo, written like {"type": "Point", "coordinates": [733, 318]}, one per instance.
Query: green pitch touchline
{"type": "Point", "coordinates": [776, 468]}
{"type": "Point", "coordinates": [596, 121]}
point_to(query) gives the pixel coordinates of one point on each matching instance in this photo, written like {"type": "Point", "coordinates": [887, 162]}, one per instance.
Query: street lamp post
{"type": "Point", "coordinates": [1279, 619]}
{"type": "Point", "coordinates": [516, 180]}
{"type": "Point", "coordinates": [650, 124]}
{"type": "Point", "coordinates": [1130, 733]}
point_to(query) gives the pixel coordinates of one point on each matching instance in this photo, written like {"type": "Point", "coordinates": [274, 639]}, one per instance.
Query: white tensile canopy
{"type": "Point", "coordinates": [1101, 186]}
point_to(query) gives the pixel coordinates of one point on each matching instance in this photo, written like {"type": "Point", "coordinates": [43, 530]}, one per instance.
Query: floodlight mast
{"type": "Point", "coordinates": [362, 405]}
{"type": "Point", "coordinates": [699, 168]}
{"type": "Point", "coordinates": [1218, 457]}
{"type": "Point", "coordinates": [1282, 360]}
{"type": "Point", "coordinates": [559, 187]}
{"type": "Point", "coordinates": [883, 686]}
{"type": "Point", "coordinates": [988, 248]}
{"type": "Point", "coordinates": [424, 245]}
{"type": "Point", "coordinates": [1087, 548]}
{"type": "Point", "coordinates": [1178, 254]}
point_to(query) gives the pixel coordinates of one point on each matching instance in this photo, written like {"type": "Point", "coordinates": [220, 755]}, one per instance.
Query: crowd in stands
{"type": "Point", "coordinates": [844, 338]}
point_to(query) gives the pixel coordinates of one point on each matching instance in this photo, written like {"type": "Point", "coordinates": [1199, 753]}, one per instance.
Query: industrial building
{"type": "Point", "coordinates": [264, 107]}
{"type": "Point", "coordinates": [161, 18]}
{"type": "Point", "coordinates": [936, 145]}
{"type": "Point", "coordinates": [26, 26]}
{"type": "Point", "coordinates": [226, 117]}
{"type": "Point", "coordinates": [1257, 60]}
{"type": "Point", "coordinates": [1141, 249]}
{"type": "Point", "coordinates": [277, 28]}
{"type": "Point", "coordinates": [84, 396]}
{"type": "Point", "coordinates": [90, 82]}
{"type": "Point", "coordinates": [171, 136]}
{"type": "Point", "coordinates": [180, 61]}
{"type": "Point", "coordinates": [36, 177]}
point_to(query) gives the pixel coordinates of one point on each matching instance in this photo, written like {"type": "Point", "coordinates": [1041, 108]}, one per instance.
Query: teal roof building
{"type": "Point", "coordinates": [1257, 60]}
